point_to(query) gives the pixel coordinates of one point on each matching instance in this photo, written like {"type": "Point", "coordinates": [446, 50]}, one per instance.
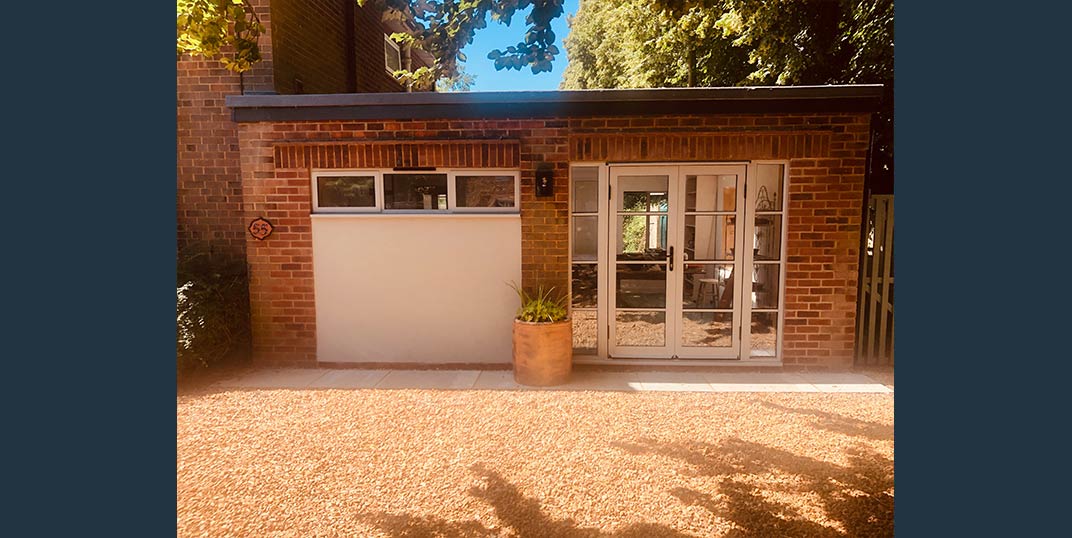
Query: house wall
{"type": "Point", "coordinates": [303, 40]}
{"type": "Point", "coordinates": [372, 75]}
{"type": "Point", "coordinates": [826, 154]}
{"type": "Point", "coordinates": [208, 184]}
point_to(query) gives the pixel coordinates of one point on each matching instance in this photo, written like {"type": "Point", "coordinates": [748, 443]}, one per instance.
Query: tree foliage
{"type": "Point", "coordinates": [670, 43]}
{"type": "Point", "coordinates": [442, 27]}
{"type": "Point", "coordinates": [210, 27]}
{"type": "Point", "coordinates": [653, 46]}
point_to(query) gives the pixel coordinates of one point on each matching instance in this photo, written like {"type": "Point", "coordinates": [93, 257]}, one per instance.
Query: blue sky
{"type": "Point", "coordinates": [499, 36]}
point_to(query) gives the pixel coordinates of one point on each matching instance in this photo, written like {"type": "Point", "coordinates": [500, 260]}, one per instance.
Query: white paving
{"type": "Point", "coordinates": [667, 381]}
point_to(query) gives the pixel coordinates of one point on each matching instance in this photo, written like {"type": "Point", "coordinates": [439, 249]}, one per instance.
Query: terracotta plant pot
{"type": "Point", "coordinates": [543, 352]}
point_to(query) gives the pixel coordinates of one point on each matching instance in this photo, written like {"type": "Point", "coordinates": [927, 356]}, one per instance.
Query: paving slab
{"type": "Point", "coordinates": [844, 382]}
{"type": "Point", "coordinates": [349, 379]}
{"type": "Point", "coordinates": [499, 380]}
{"type": "Point", "coordinates": [285, 378]}
{"type": "Point", "coordinates": [758, 382]}
{"type": "Point", "coordinates": [673, 382]}
{"type": "Point", "coordinates": [610, 381]}
{"type": "Point", "coordinates": [429, 379]}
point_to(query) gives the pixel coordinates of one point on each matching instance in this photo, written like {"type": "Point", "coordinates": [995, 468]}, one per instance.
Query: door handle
{"type": "Point", "coordinates": [670, 257]}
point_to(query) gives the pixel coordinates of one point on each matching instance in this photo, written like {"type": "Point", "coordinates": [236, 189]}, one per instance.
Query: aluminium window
{"type": "Point", "coordinates": [432, 191]}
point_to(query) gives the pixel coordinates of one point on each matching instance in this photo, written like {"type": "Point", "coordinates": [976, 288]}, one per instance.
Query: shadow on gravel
{"type": "Point", "coordinates": [855, 495]}
{"type": "Point", "coordinates": [841, 424]}
{"type": "Point", "coordinates": [523, 515]}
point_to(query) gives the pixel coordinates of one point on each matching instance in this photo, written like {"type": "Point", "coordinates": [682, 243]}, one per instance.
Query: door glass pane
{"type": "Point", "coordinates": [764, 332]}
{"type": "Point", "coordinates": [585, 186]}
{"type": "Point", "coordinates": [584, 284]}
{"type": "Point", "coordinates": [585, 238]}
{"type": "Point", "coordinates": [636, 201]}
{"type": "Point", "coordinates": [346, 191]}
{"type": "Point", "coordinates": [584, 331]}
{"type": "Point", "coordinates": [709, 237]}
{"type": "Point", "coordinates": [707, 285]}
{"type": "Point", "coordinates": [640, 286]}
{"type": "Point", "coordinates": [415, 191]}
{"type": "Point", "coordinates": [642, 237]}
{"type": "Point", "coordinates": [767, 187]}
{"type": "Point", "coordinates": [765, 286]}
{"type": "Point", "coordinates": [640, 329]}
{"type": "Point", "coordinates": [485, 191]}
{"type": "Point", "coordinates": [711, 193]}
{"type": "Point", "coordinates": [642, 193]}
{"type": "Point", "coordinates": [707, 329]}
{"type": "Point", "coordinates": [767, 239]}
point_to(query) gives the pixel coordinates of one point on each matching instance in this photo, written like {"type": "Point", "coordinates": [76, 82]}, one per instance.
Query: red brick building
{"type": "Point", "coordinates": [690, 226]}
{"type": "Point", "coordinates": [311, 46]}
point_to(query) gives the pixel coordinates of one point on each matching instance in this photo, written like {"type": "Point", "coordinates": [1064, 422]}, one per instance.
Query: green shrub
{"type": "Point", "coordinates": [540, 307]}
{"type": "Point", "coordinates": [212, 308]}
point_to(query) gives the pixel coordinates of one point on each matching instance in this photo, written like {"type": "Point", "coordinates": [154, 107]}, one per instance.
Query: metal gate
{"type": "Point", "coordinates": [874, 314]}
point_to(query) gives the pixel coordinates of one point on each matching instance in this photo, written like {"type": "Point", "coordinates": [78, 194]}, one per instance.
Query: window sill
{"type": "Point", "coordinates": [415, 215]}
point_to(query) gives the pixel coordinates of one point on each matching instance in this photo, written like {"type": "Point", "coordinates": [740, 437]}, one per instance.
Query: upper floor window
{"type": "Point", "coordinates": [392, 55]}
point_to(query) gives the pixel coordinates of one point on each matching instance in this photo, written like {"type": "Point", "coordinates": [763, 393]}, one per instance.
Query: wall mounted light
{"type": "Point", "coordinates": [545, 180]}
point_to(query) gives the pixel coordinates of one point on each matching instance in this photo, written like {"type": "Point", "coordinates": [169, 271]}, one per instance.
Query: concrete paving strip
{"type": "Point", "coordinates": [429, 379]}
{"type": "Point", "coordinates": [286, 378]}
{"type": "Point", "coordinates": [666, 381]}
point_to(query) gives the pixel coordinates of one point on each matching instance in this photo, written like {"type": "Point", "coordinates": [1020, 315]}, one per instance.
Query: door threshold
{"type": "Point", "coordinates": [679, 363]}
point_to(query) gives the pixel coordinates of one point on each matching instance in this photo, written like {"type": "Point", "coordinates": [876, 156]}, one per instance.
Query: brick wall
{"type": "Point", "coordinates": [209, 188]}
{"type": "Point", "coordinates": [826, 161]}
{"type": "Point", "coordinates": [372, 75]}
{"type": "Point", "coordinates": [312, 46]}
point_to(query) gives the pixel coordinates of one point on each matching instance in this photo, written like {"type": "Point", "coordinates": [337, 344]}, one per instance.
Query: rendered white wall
{"type": "Point", "coordinates": [415, 288]}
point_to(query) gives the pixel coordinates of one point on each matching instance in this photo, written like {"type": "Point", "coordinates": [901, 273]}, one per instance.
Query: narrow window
{"type": "Point", "coordinates": [392, 55]}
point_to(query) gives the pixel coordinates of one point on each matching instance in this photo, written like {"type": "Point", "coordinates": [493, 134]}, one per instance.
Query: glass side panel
{"type": "Point", "coordinates": [584, 284]}
{"type": "Point", "coordinates": [585, 238]}
{"type": "Point", "coordinates": [765, 285]}
{"type": "Point", "coordinates": [767, 238]}
{"type": "Point", "coordinates": [764, 331]}
{"type": "Point", "coordinates": [767, 187]}
{"type": "Point", "coordinates": [585, 198]}
{"type": "Point", "coordinates": [584, 331]}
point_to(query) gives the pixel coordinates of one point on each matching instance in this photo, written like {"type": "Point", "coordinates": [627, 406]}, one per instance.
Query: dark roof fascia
{"type": "Point", "coordinates": [548, 104]}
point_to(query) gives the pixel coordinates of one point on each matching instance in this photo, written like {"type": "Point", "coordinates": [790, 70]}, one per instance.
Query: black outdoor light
{"type": "Point", "coordinates": [545, 180]}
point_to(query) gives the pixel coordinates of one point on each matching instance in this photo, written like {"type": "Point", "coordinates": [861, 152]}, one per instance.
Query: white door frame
{"type": "Point", "coordinates": [606, 260]}
{"type": "Point", "coordinates": [673, 308]}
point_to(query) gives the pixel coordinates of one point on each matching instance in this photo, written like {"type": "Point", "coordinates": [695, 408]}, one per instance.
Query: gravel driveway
{"type": "Point", "coordinates": [498, 463]}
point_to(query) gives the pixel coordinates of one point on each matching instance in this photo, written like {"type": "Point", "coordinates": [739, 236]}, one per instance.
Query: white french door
{"type": "Point", "coordinates": [674, 253]}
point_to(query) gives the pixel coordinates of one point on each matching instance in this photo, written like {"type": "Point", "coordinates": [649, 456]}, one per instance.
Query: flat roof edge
{"type": "Point", "coordinates": [753, 99]}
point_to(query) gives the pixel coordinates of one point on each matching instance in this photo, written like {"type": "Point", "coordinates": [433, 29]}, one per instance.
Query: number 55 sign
{"type": "Point", "coordinates": [260, 228]}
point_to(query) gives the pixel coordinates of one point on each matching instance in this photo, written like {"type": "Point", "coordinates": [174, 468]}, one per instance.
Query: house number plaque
{"type": "Point", "coordinates": [260, 228]}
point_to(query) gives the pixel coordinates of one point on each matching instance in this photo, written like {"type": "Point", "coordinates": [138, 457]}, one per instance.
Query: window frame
{"type": "Point", "coordinates": [398, 50]}
{"type": "Point", "coordinates": [377, 186]}
{"type": "Point", "coordinates": [452, 196]}
{"type": "Point", "coordinates": [452, 190]}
